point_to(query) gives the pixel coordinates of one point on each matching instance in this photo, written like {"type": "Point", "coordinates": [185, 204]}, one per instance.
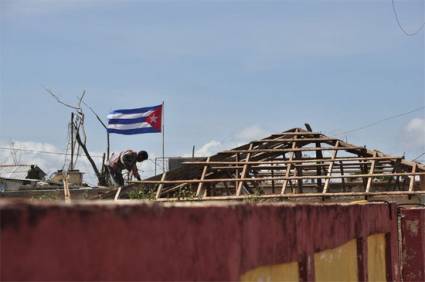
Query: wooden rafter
{"type": "Point", "coordinates": [294, 158]}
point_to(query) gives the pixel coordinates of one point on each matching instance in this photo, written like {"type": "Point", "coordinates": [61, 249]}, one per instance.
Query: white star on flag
{"type": "Point", "coordinates": [153, 119]}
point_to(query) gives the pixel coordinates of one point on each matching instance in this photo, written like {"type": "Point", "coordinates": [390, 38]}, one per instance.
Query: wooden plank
{"type": "Point", "coordinates": [67, 194]}
{"type": "Point", "coordinates": [307, 195]}
{"type": "Point", "coordinates": [236, 174]}
{"type": "Point", "coordinates": [319, 155]}
{"type": "Point", "coordinates": [273, 186]}
{"type": "Point", "coordinates": [173, 188]}
{"type": "Point", "coordinates": [306, 160]}
{"type": "Point", "coordinates": [117, 194]}
{"type": "Point", "coordinates": [312, 140]}
{"type": "Point", "coordinates": [159, 190]}
{"type": "Point", "coordinates": [412, 179]}
{"type": "Point", "coordinates": [353, 167]}
{"type": "Point", "coordinates": [204, 172]}
{"type": "Point", "coordinates": [403, 161]}
{"type": "Point", "coordinates": [371, 171]}
{"type": "Point", "coordinates": [288, 169]}
{"type": "Point", "coordinates": [189, 181]}
{"type": "Point", "coordinates": [331, 165]}
{"type": "Point", "coordinates": [304, 149]}
{"type": "Point", "coordinates": [299, 171]}
{"type": "Point", "coordinates": [341, 169]}
{"type": "Point", "coordinates": [244, 171]}
{"type": "Point", "coordinates": [298, 133]}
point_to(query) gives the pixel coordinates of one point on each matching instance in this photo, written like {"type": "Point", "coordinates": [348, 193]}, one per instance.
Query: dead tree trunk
{"type": "Point", "coordinates": [100, 177]}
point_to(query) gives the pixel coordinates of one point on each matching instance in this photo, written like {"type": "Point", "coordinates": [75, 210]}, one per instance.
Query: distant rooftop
{"type": "Point", "coordinates": [14, 171]}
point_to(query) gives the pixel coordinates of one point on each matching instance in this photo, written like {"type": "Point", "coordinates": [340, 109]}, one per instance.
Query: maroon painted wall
{"type": "Point", "coordinates": [99, 241]}
{"type": "Point", "coordinates": [413, 243]}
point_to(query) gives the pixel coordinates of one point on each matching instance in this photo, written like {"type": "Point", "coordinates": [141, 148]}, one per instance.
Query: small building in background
{"type": "Point", "coordinates": [176, 162]}
{"type": "Point", "coordinates": [75, 177]}
{"type": "Point", "coordinates": [17, 177]}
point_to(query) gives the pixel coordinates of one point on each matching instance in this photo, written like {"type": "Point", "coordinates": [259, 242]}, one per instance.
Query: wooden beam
{"type": "Point", "coordinates": [299, 170]}
{"type": "Point", "coordinates": [204, 172]}
{"type": "Point", "coordinates": [331, 165]}
{"type": "Point", "coordinates": [298, 133]}
{"type": "Point", "coordinates": [117, 194]}
{"type": "Point", "coordinates": [158, 191]}
{"type": "Point", "coordinates": [244, 170]}
{"type": "Point", "coordinates": [288, 169]}
{"type": "Point", "coordinates": [304, 149]}
{"type": "Point", "coordinates": [188, 181]}
{"type": "Point", "coordinates": [67, 194]}
{"type": "Point", "coordinates": [181, 185]}
{"type": "Point", "coordinates": [319, 155]}
{"type": "Point", "coordinates": [237, 174]}
{"type": "Point", "coordinates": [371, 171]}
{"type": "Point", "coordinates": [306, 160]}
{"type": "Point", "coordinates": [312, 140]}
{"type": "Point", "coordinates": [412, 179]}
{"type": "Point", "coordinates": [306, 195]}
{"type": "Point", "coordinates": [341, 169]}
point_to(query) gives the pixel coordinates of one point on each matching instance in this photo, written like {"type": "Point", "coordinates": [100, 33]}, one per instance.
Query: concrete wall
{"type": "Point", "coordinates": [105, 241]}
{"type": "Point", "coordinates": [413, 242]}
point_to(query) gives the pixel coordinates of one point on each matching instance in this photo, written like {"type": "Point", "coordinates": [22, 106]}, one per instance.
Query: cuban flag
{"type": "Point", "coordinates": [135, 121]}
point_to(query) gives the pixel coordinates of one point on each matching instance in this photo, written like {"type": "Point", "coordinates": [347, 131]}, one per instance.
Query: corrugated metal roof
{"type": "Point", "coordinates": [14, 171]}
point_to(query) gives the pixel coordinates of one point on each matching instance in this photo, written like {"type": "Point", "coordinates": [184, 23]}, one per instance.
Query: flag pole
{"type": "Point", "coordinates": [163, 139]}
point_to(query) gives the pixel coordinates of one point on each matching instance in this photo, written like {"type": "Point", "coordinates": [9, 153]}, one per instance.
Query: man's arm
{"type": "Point", "coordinates": [135, 172]}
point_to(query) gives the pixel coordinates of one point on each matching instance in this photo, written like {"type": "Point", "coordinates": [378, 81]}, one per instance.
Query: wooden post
{"type": "Point", "coordinates": [244, 170]}
{"type": "Point", "coordinates": [289, 166]}
{"type": "Point", "coordinates": [299, 169]}
{"type": "Point", "coordinates": [117, 195]}
{"type": "Point", "coordinates": [273, 179]}
{"type": "Point", "coordinates": [71, 165]}
{"type": "Point", "coordinates": [341, 168]}
{"type": "Point", "coordinates": [200, 185]}
{"type": "Point", "coordinates": [371, 171]}
{"type": "Point", "coordinates": [67, 194]}
{"type": "Point", "coordinates": [236, 174]}
{"type": "Point", "coordinates": [363, 169]}
{"type": "Point", "coordinates": [331, 165]}
{"type": "Point", "coordinates": [159, 190]}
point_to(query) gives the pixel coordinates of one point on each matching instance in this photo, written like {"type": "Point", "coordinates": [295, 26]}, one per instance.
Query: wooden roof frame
{"type": "Point", "coordinates": [291, 164]}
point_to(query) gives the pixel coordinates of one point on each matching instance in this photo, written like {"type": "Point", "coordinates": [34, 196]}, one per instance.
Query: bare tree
{"type": "Point", "coordinates": [78, 133]}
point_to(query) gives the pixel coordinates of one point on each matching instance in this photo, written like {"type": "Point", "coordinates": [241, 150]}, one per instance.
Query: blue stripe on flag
{"type": "Point", "coordinates": [126, 120]}
{"type": "Point", "coordinates": [136, 111]}
{"type": "Point", "coordinates": [134, 131]}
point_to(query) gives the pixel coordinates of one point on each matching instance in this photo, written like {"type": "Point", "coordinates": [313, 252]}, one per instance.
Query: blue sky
{"type": "Point", "coordinates": [229, 71]}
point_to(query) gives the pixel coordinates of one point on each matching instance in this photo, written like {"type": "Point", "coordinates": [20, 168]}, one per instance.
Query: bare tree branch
{"type": "Point", "coordinates": [97, 116]}
{"type": "Point", "coordinates": [59, 100]}
{"type": "Point", "coordinates": [81, 99]}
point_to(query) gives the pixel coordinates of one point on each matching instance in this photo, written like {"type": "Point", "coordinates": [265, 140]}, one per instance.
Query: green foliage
{"type": "Point", "coordinates": [255, 197]}
{"type": "Point", "coordinates": [142, 194]}
{"type": "Point", "coordinates": [186, 193]}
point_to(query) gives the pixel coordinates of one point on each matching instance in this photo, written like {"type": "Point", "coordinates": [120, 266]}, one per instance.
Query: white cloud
{"type": "Point", "coordinates": [414, 133]}
{"type": "Point", "coordinates": [28, 153]}
{"type": "Point", "coordinates": [209, 149]}
{"type": "Point", "coordinates": [251, 133]}
{"type": "Point", "coordinates": [241, 137]}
